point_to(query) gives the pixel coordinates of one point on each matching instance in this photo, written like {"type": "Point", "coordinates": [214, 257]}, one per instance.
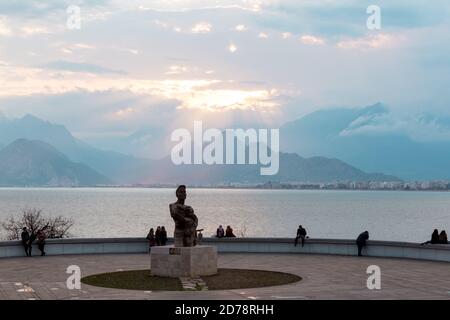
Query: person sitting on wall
{"type": "Point", "coordinates": [434, 238]}
{"type": "Point", "coordinates": [151, 239]}
{"type": "Point", "coordinates": [229, 233]}
{"type": "Point", "coordinates": [220, 233]}
{"type": "Point", "coordinates": [301, 234]}
{"type": "Point", "coordinates": [443, 237]}
{"type": "Point", "coordinates": [361, 241]}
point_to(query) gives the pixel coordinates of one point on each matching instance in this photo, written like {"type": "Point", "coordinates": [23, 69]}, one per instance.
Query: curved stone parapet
{"type": "Point", "coordinates": [238, 245]}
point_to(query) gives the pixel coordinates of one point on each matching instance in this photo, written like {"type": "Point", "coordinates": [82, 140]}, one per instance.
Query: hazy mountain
{"type": "Point", "coordinates": [36, 163]}
{"type": "Point", "coordinates": [118, 167]}
{"type": "Point", "coordinates": [339, 133]}
{"type": "Point", "coordinates": [293, 168]}
{"type": "Point", "coordinates": [123, 169]}
{"type": "Point", "coordinates": [147, 142]}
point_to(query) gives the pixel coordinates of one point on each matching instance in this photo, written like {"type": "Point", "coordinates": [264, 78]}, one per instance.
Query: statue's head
{"type": "Point", "coordinates": [181, 192]}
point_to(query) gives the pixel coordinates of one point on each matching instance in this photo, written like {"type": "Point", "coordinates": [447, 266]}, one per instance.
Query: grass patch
{"type": "Point", "coordinates": [133, 280]}
{"type": "Point", "coordinates": [225, 279]}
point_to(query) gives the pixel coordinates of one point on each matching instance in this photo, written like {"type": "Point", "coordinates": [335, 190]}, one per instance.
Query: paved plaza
{"type": "Point", "coordinates": [324, 277]}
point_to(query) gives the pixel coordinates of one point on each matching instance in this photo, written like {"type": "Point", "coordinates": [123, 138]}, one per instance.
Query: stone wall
{"type": "Point", "coordinates": [250, 245]}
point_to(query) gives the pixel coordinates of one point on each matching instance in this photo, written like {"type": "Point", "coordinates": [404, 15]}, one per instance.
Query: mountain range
{"type": "Point", "coordinates": [37, 152]}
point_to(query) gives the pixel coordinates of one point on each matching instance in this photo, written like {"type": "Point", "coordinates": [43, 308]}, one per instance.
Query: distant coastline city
{"type": "Point", "coordinates": [443, 185]}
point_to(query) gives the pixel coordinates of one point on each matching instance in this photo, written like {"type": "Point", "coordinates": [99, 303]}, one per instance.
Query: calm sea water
{"type": "Point", "coordinates": [123, 212]}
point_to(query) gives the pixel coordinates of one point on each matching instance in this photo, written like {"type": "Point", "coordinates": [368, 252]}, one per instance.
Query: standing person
{"type": "Point", "coordinates": [443, 237]}
{"type": "Point", "coordinates": [229, 232]}
{"type": "Point", "coordinates": [30, 242]}
{"type": "Point", "coordinates": [151, 239]}
{"type": "Point", "coordinates": [220, 233]}
{"type": "Point", "coordinates": [158, 236]}
{"type": "Point", "coordinates": [25, 236]}
{"type": "Point", "coordinates": [361, 241]}
{"type": "Point", "coordinates": [301, 234]}
{"type": "Point", "coordinates": [41, 241]}
{"type": "Point", "coordinates": [434, 238]}
{"type": "Point", "coordinates": [163, 236]}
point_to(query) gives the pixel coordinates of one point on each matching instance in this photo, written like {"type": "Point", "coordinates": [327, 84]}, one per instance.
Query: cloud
{"type": "Point", "coordinates": [83, 46]}
{"type": "Point", "coordinates": [348, 18]}
{"type": "Point", "coordinates": [286, 35]}
{"type": "Point", "coordinates": [124, 112]}
{"type": "Point", "coordinates": [81, 67]}
{"type": "Point", "coordinates": [161, 24]}
{"type": "Point", "coordinates": [263, 35]}
{"type": "Point", "coordinates": [420, 127]}
{"type": "Point", "coordinates": [190, 94]}
{"type": "Point", "coordinates": [312, 40]}
{"type": "Point", "coordinates": [175, 69]}
{"type": "Point", "coordinates": [4, 29]}
{"type": "Point", "coordinates": [240, 28]}
{"type": "Point", "coordinates": [196, 5]}
{"type": "Point", "coordinates": [378, 41]}
{"type": "Point", "coordinates": [201, 27]}
{"type": "Point", "coordinates": [32, 30]}
{"type": "Point", "coordinates": [161, 58]}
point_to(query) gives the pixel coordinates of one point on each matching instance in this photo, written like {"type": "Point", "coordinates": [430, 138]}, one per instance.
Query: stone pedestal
{"type": "Point", "coordinates": [170, 261]}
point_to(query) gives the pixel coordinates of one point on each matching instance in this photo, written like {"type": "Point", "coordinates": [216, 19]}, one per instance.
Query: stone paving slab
{"type": "Point", "coordinates": [324, 277]}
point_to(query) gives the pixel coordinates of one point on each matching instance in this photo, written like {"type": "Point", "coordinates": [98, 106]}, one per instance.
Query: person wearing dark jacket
{"type": "Point", "coordinates": [25, 236]}
{"type": "Point", "coordinates": [229, 233]}
{"type": "Point", "coordinates": [151, 239]}
{"type": "Point", "coordinates": [443, 237]}
{"type": "Point", "coordinates": [301, 234]}
{"type": "Point", "coordinates": [30, 242]}
{"type": "Point", "coordinates": [361, 241]}
{"type": "Point", "coordinates": [163, 236]}
{"type": "Point", "coordinates": [41, 241]}
{"type": "Point", "coordinates": [158, 236]}
{"type": "Point", "coordinates": [434, 238]}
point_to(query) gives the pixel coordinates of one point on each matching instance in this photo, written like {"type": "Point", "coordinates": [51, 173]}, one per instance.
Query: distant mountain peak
{"type": "Point", "coordinates": [36, 163]}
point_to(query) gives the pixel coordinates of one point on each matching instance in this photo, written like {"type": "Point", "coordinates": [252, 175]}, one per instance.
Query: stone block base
{"type": "Point", "coordinates": [170, 261]}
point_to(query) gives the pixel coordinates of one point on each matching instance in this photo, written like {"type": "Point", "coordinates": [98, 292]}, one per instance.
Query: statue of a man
{"type": "Point", "coordinates": [186, 221]}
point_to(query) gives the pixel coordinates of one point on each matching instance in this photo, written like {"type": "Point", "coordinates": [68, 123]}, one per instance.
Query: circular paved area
{"type": "Point", "coordinates": [324, 277]}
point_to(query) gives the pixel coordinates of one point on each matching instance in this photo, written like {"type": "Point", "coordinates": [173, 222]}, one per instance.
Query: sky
{"type": "Point", "coordinates": [163, 64]}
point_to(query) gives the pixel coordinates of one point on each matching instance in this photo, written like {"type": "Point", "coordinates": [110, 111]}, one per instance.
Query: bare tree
{"type": "Point", "coordinates": [34, 220]}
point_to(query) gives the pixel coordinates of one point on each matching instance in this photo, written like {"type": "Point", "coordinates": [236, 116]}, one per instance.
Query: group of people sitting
{"type": "Point", "coordinates": [437, 238]}
{"type": "Point", "coordinates": [228, 233]}
{"type": "Point", "coordinates": [158, 237]}
{"type": "Point", "coordinates": [28, 239]}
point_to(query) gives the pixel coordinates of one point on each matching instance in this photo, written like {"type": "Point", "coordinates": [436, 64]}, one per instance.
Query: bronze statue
{"type": "Point", "coordinates": [186, 221]}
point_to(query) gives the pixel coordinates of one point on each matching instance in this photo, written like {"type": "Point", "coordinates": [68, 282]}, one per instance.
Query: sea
{"type": "Point", "coordinates": [130, 212]}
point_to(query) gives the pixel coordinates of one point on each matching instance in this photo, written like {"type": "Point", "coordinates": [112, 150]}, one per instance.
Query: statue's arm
{"type": "Point", "coordinates": [175, 214]}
